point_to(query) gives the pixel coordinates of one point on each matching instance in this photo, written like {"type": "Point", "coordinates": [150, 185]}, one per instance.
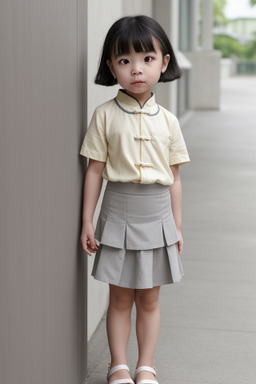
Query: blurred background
{"type": "Point", "coordinates": [235, 36]}
{"type": "Point", "coordinates": [50, 307]}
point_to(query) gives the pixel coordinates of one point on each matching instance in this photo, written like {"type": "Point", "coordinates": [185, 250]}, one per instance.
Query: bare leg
{"type": "Point", "coordinates": [147, 327]}
{"type": "Point", "coordinates": [118, 326]}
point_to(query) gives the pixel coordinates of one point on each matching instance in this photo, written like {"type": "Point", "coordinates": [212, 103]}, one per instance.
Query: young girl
{"type": "Point", "coordinates": [137, 146]}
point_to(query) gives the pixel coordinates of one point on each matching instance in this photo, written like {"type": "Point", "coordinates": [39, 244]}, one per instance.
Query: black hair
{"type": "Point", "coordinates": [138, 32]}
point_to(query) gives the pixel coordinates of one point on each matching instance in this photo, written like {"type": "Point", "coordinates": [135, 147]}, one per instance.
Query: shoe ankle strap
{"type": "Point", "coordinates": [117, 368]}
{"type": "Point", "coordinates": [145, 368]}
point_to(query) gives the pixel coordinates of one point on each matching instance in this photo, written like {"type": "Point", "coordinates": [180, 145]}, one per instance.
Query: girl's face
{"type": "Point", "coordinates": [138, 72]}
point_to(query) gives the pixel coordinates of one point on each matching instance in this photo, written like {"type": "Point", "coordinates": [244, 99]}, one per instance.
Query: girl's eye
{"type": "Point", "coordinates": [148, 59]}
{"type": "Point", "coordinates": [124, 61]}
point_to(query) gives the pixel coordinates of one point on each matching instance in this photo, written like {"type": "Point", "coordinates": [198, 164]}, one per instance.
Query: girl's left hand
{"type": "Point", "coordinates": [88, 240]}
{"type": "Point", "coordinates": [180, 243]}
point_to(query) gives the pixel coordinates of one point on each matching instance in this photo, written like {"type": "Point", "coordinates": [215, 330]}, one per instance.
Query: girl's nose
{"type": "Point", "coordinates": [136, 71]}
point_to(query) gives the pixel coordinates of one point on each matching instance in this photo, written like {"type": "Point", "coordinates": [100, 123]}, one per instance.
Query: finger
{"type": "Point", "coordinates": [85, 246]}
{"type": "Point", "coordinates": [92, 243]}
{"type": "Point", "coordinates": [180, 246]}
{"type": "Point", "coordinates": [93, 247]}
{"type": "Point", "coordinates": [87, 250]}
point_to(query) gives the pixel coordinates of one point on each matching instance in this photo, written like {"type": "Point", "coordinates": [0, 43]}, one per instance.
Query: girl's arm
{"type": "Point", "coordinates": [176, 197]}
{"type": "Point", "coordinates": [92, 188]}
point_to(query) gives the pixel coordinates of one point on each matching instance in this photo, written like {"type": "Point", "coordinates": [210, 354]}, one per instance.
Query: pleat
{"type": "Point", "coordinates": [108, 264]}
{"type": "Point", "coordinates": [175, 264]}
{"type": "Point", "coordinates": [137, 269]}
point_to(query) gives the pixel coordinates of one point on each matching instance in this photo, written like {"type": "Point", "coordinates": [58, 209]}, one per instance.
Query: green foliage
{"type": "Point", "coordinates": [228, 46]}
{"type": "Point", "coordinates": [231, 48]}
{"type": "Point", "coordinates": [219, 12]}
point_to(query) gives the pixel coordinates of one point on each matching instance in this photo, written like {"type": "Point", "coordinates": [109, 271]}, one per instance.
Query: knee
{"type": "Point", "coordinates": [121, 301]}
{"type": "Point", "coordinates": [147, 303]}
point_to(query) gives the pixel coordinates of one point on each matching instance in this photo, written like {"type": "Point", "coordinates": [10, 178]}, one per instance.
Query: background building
{"type": "Point", "coordinates": [243, 28]}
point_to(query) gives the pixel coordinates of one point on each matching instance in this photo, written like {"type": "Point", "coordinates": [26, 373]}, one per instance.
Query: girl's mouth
{"type": "Point", "coordinates": [138, 82]}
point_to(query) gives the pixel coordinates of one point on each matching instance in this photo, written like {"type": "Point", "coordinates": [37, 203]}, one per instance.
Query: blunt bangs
{"type": "Point", "coordinates": [135, 32]}
{"type": "Point", "coordinates": [138, 39]}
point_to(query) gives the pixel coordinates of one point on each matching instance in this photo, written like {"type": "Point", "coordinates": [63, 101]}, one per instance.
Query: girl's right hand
{"type": "Point", "coordinates": [88, 240]}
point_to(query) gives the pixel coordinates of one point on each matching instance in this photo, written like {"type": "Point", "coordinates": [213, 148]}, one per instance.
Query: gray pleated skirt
{"type": "Point", "coordinates": [138, 237]}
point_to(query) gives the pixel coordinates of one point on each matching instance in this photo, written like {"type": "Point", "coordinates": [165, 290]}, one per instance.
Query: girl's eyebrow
{"type": "Point", "coordinates": [117, 55]}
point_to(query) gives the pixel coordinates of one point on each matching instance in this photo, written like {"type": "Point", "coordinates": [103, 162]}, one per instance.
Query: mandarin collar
{"type": "Point", "coordinates": [130, 105]}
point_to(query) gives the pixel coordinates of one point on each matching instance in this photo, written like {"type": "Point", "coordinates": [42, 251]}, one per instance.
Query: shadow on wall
{"type": "Point", "coordinates": [82, 265]}
{"type": "Point", "coordinates": [81, 309]}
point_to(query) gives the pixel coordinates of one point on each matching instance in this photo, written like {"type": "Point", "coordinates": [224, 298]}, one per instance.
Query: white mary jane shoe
{"type": "Point", "coordinates": [145, 381]}
{"type": "Point", "coordinates": [119, 381]}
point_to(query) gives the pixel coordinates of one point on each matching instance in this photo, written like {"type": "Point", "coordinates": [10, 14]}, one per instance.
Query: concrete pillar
{"type": "Point", "coordinates": [137, 7]}
{"type": "Point", "coordinates": [166, 12]}
{"type": "Point", "coordinates": [194, 32]}
{"type": "Point", "coordinates": [204, 79]}
{"type": "Point", "coordinates": [174, 35]}
{"type": "Point", "coordinates": [207, 27]}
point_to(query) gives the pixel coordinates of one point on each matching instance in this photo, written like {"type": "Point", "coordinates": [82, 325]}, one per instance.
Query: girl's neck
{"type": "Point", "coordinates": [140, 97]}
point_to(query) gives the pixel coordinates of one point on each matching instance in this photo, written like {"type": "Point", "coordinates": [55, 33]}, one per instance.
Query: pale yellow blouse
{"type": "Point", "coordinates": [137, 144]}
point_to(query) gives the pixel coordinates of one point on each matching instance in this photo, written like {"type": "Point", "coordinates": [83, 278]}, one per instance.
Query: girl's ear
{"type": "Point", "coordinates": [110, 65]}
{"type": "Point", "coordinates": [166, 60]}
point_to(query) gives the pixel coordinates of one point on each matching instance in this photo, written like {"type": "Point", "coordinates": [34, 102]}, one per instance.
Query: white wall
{"type": "Point", "coordinates": [101, 15]}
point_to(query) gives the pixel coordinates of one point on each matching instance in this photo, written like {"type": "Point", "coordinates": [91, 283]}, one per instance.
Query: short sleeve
{"type": "Point", "coordinates": [178, 151]}
{"type": "Point", "coordinates": [94, 145]}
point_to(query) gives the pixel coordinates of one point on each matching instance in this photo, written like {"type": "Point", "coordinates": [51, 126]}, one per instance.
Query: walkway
{"type": "Point", "coordinates": [208, 322]}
